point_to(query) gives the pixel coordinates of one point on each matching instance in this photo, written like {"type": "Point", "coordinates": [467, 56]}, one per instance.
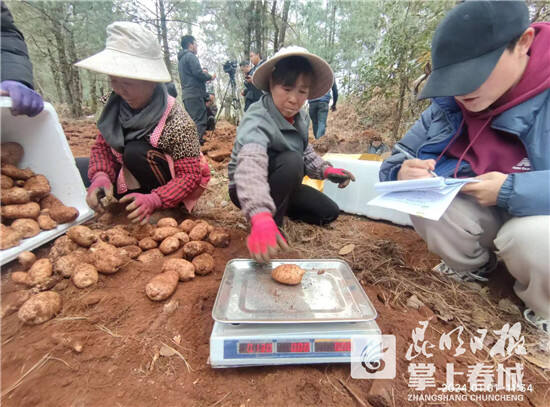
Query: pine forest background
{"type": "Point", "coordinates": [379, 50]}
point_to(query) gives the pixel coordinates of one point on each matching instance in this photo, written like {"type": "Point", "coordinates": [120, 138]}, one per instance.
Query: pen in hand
{"type": "Point", "coordinates": [411, 157]}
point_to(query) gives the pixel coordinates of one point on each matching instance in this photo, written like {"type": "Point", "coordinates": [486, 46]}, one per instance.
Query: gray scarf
{"type": "Point", "coordinates": [119, 123]}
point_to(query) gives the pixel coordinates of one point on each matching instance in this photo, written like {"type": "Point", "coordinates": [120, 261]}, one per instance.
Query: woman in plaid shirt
{"type": "Point", "coordinates": [148, 145]}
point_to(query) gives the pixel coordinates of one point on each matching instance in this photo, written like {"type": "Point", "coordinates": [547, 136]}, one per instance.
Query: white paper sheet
{"type": "Point", "coordinates": [428, 198]}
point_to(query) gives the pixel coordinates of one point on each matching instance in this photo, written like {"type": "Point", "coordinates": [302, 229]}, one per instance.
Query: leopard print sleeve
{"type": "Point", "coordinates": [179, 137]}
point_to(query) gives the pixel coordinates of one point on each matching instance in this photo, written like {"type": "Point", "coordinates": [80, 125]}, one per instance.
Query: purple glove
{"type": "Point", "coordinates": [24, 100]}
{"type": "Point", "coordinates": [143, 205]}
{"type": "Point", "coordinates": [339, 176]}
{"type": "Point", "coordinates": [100, 182]}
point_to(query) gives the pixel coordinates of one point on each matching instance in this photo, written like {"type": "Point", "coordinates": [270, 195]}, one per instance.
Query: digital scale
{"type": "Point", "coordinates": [261, 322]}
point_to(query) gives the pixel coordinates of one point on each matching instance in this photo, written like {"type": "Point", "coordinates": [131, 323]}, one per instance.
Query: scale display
{"type": "Point", "coordinates": [253, 348]}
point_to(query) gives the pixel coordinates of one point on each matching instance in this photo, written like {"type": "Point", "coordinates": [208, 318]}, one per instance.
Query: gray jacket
{"type": "Point", "coordinates": [192, 77]}
{"type": "Point", "coordinates": [264, 133]}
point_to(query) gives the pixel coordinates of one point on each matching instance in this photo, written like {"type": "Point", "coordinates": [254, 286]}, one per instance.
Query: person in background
{"type": "Point", "coordinates": [193, 83]}
{"type": "Point", "coordinates": [17, 80]}
{"type": "Point", "coordinates": [147, 146]}
{"type": "Point", "coordinates": [253, 94]}
{"type": "Point", "coordinates": [245, 69]}
{"type": "Point", "coordinates": [271, 153]}
{"type": "Point", "coordinates": [318, 111]}
{"type": "Point", "coordinates": [377, 145]}
{"type": "Point", "coordinates": [489, 119]}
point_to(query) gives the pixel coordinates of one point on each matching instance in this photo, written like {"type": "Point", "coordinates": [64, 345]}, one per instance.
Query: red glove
{"type": "Point", "coordinates": [143, 205]}
{"type": "Point", "coordinates": [100, 183]}
{"type": "Point", "coordinates": [264, 239]}
{"type": "Point", "coordinates": [339, 176]}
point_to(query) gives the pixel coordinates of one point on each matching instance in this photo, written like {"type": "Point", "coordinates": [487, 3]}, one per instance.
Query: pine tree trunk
{"type": "Point", "coordinates": [284, 23]}
{"type": "Point", "coordinates": [399, 108]}
{"type": "Point", "coordinates": [55, 74]}
{"type": "Point", "coordinates": [93, 92]}
{"type": "Point", "coordinates": [76, 86]}
{"type": "Point", "coordinates": [275, 26]}
{"type": "Point", "coordinates": [249, 28]}
{"type": "Point", "coordinates": [164, 34]}
{"type": "Point", "coordinates": [258, 25]}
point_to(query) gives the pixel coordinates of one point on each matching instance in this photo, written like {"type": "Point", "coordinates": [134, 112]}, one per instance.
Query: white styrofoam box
{"type": "Point", "coordinates": [46, 152]}
{"type": "Point", "coordinates": [354, 198]}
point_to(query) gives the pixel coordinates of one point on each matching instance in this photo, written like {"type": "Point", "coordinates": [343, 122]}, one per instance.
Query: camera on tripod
{"type": "Point", "coordinates": [230, 67]}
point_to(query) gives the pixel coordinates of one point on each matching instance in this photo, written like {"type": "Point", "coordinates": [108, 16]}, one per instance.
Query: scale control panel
{"type": "Point", "coordinates": [245, 349]}
{"type": "Point", "coordinates": [286, 344]}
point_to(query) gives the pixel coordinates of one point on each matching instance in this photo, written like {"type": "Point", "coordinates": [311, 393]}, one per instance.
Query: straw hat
{"type": "Point", "coordinates": [322, 74]}
{"type": "Point", "coordinates": [130, 52]}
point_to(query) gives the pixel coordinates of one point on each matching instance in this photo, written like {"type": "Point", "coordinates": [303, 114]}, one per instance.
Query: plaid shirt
{"type": "Point", "coordinates": [187, 173]}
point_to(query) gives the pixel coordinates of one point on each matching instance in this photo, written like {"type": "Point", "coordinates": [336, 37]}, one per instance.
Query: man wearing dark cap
{"type": "Point", "coordinates": [489, 119]}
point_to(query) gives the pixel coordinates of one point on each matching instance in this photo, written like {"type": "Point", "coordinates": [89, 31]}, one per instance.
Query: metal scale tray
{"type": "Point", "coordinates": [329, 292]}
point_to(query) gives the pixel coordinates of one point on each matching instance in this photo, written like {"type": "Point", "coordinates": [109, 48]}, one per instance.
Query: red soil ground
{"type": "Point", "coordinates": [122, 366]}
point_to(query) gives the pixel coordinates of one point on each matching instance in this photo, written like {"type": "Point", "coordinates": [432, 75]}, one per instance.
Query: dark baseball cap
{"type": "Point", "coordinates": [468, 43]}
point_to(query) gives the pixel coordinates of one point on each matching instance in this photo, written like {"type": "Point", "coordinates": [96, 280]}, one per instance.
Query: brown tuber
{"type": "Point", "coordinates": [5, 182]}
{"type": "Point", "coordinates": [61, 247]}
{"type": "Point", "coordinates": [40, 308]}
{"type": "Point", "coordinates": [38, 187]}
{"type": "Point", "coordinates": [187, 225]}
{"type": "Point", "coordinates": [26, 259]}
{"type": "Point", "coordinates": [184, 268]}
{"type": "Point", "coordinates": [15, 195]}
{"type": "Point", "coordinates": [182, 236]}
{"type": "Point", "coordinates": [65, 265]}
{"type": "Point", "coordinates": [150, 256]}
{"type": "Point", "coordinates": [82, 235]}
{"type": "Point", "coordinates": [84, 275]}
{"type": "Point", "coordinates": [204, 264]}
{"type": "Point", "coordinates": [199, 232]}
{"type": "Point", "coordinates": [219, 237]}
{"type": "Point", "coordinates": [20, 277]}
{"type": "Point", "coordinates": [28, 210]}
{"type": "Point", "coordinates": [118, 237]}
{"type": "Point", "coordinates": [45, 221]}
{"type": "Point", "coordinates": [162, 285]}
{"type": "Point", "coordinates": [167, 222]}
{"type": "Point", "coordinates": [170, 245]}
{"type": "Point", "coordinates": [49, 201]}
{"type": "Point", "coordinates": [159, 234]}
{"type": "Point", "coordinates": [193, 249]}
{"type": "Point", "coordinates": [132, 250]}
{"type": "Point", "coordinates": [40, 272]}
{"type": "Point", "coordinates": [26, 227]}
{"type": "Point", "coordinates": [16, 173]}
{"type": "Point", "coordinates": [147, 243]}
{"type": "Point", "coordinates": [63, 214]}
{"type": "Point", "coordinates": [11, 153]}
{"type": "Point", "coordinates": [289, 274]}
{"type": "Point", "coordinates": [107, 258]}
{"type": "Point", "coordinates": [8, 237]}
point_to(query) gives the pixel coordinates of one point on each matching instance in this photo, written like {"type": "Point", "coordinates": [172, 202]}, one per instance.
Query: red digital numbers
{"type": "Point", "coordinates": [264, 347]}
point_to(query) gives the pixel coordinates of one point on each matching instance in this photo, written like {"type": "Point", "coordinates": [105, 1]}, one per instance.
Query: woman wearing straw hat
{"type": "Point", "coordinates": [271, 153]}
{"type": "Point", "coordinates": [148, 145]}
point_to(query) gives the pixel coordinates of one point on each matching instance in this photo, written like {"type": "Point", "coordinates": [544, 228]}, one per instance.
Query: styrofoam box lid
{"type": "Point", "coordinates": [353, 199]}
{"type": "Point", "coordinates": [46, 152]}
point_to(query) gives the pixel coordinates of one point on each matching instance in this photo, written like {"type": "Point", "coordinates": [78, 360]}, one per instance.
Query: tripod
{"type": "Point", "coordinates": [235, 101]}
